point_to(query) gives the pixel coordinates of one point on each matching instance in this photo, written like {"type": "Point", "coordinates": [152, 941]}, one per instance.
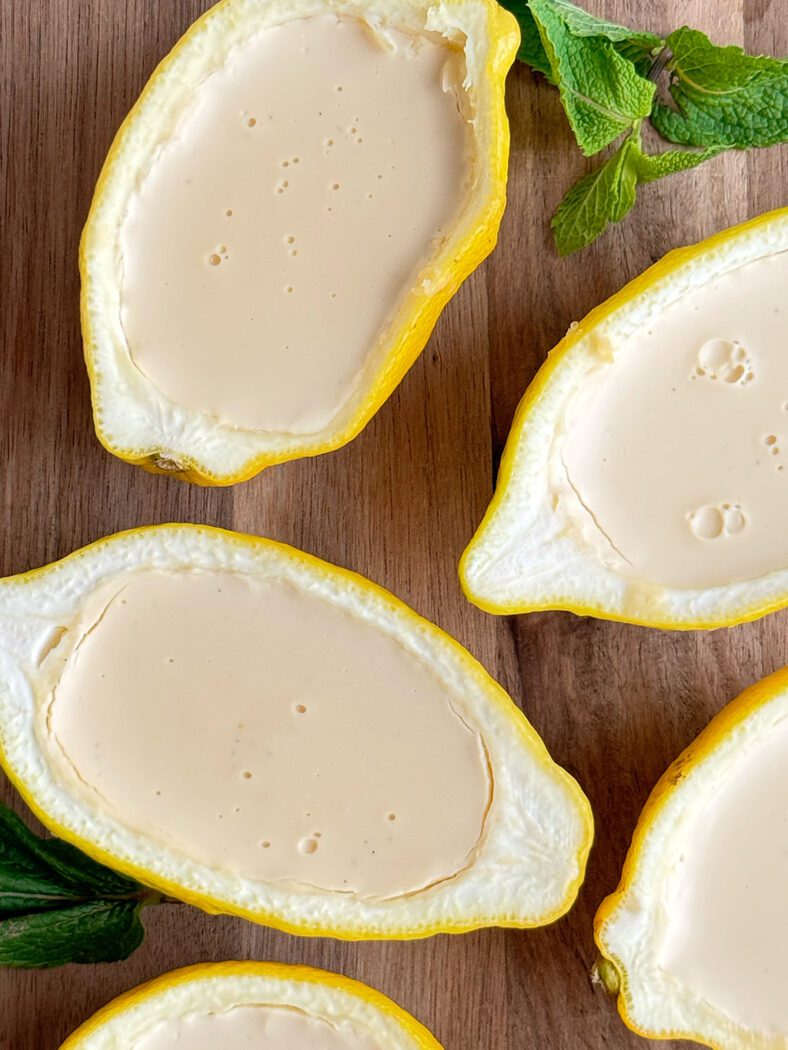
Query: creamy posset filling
{"type": "Point", "coordinates": [260, 1027]}
{"type": "Point", "coordinates": [727, 924]}
{"type": "Point", "coordinates": [672, 463]}
{"type": "Point", "coordinates": [288, 214]}
{"type": "Point", "coordinates": [259, 728]}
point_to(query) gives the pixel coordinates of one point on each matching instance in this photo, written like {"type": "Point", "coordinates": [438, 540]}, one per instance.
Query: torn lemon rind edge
{"type": "Point", "coordinates": [747, 718]}
{"type": "Point", "coordinates": [510, 881]}
{"type": "Point", "coordinates": [216, 986]}
{"type": "Point", "coordinates": [168, 438]}
{"type": "Point", "coordinates": [553, 562]}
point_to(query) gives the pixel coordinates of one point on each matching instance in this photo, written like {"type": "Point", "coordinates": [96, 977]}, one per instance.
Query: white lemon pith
{"type": "Point", "coordinates": [234, 1005]}
{"type": "Point", "coordinates": [643, 479]}
{"type": "Point", "coordinates": [295, 196]}
{"type": "Point", "coordinates": [697, 929]}
{"type": "Point", "coordinates": [102, 654]}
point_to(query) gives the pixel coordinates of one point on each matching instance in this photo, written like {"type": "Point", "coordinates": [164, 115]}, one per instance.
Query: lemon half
{"type": "Point", "coordinates": [642, 478]}
{"type": "Point", "coordinates": [693, 938]}
{"type": "Point", "coordinates": [160, 735]}
{"type": "Point", "coordinates": [347, 1012]}
{"type": "Point", "coordinates": [149, 415]}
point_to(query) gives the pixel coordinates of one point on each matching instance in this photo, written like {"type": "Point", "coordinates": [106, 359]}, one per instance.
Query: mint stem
{"type": "Point", "coordinates": [660, 62]}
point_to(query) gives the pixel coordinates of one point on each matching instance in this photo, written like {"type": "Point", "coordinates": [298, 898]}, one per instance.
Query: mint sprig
{"type": "Point", "coordinates": [59, 906]}
{"type": "Point", "coordinates": [607, 194]}
{"type": "Point", "coordinates": [609, 79]}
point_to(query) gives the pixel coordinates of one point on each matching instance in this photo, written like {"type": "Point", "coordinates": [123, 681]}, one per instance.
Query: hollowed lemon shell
{"type": "Point", "coordinates": [522, 557]}
{"type": "Point", "coordinates": [133, 419]}
{"type": "Point", "coordinates": [528, 864]}
{"type": "Point", "coordinates": [220, 986]}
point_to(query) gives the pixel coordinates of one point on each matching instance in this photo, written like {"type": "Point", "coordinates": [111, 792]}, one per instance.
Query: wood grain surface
{"type": "Point", "coordinates": [614, 703]}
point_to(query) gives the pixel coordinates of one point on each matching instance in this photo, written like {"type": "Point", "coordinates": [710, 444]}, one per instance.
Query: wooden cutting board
{"type": "Point", "coordinates": [614, 703]}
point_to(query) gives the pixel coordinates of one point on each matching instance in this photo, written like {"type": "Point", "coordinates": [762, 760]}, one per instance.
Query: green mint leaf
{"type": "Point", "coordinates": [84, 873]}
{"type": "Point", "coordinates": [652, 166]}
{"type": "Point", "coordinates": [49, 867]}
{"type": "Point", "coordinates": [582, 23]}
{"type": "Point", "coordinates": [723, 96]}
{"type": "Point", "coordinates": [92, 932]}
{"type": "Point", "coordinates": [637, 48]}
{"type": "Point", "coordinates": [59, 906]}
{"type": "Point", "coordinates": [607, 194]}
{"type": "Point", "coordinates": [23, 892]}
{"type": "Point", "coordinates": [602, 197]}
{"type": "Point", "coordinates": [602, 93]}
{"type": "Point", "coordinates": [26, 883]}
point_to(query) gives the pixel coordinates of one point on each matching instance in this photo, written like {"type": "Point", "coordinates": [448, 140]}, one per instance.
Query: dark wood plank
{"type": "Point", "coordinates": [614, 703]}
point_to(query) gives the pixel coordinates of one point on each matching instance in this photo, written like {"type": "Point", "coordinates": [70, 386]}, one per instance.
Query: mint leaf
{"type": "Point", "coordinates": [602, 197]}
{"type": "Point", "coordinates": [607, 194]}
{"type": "Point", "coordinates": [26, 884]}
{"type": "Point", "coordinates": [652, 166]}
{"type": "Point", "coordinates": [723, 96]}
{"type": "Point", "coordinates": [57, 905]}
{"type": "Point", "coordinates": [42, 868]}
{"type": "Point", "coordinates": [582, 23]}
{"type": "Point", "coordinates": [92, 932]}
{"type": "Point", "coordinates": [602, 93]}
{"type": "Point", "coordinates": [638, 48]}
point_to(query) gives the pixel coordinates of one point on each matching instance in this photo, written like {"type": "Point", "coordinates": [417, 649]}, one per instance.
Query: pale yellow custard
{"type": "Point", "coordinates": [277, 230]}
{"type": "Point", "coordinates": [672, 460]}
{"type": "Point", "coordinates": [260, 729]}
{"type": "Point", "coordinates": [725, 902]}
{"type": "Point", "coordinates": [254, 1028]}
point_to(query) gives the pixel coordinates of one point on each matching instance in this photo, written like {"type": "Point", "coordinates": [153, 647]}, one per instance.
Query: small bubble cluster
{"type": "Point", "coordinates": [771, 441]}
{"type": "Point", "coordinates": [222, 254]}
{"type": "Point", "coordinates": [726, 360]}
{"type": "Point", "coordinates": [711, 522]}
